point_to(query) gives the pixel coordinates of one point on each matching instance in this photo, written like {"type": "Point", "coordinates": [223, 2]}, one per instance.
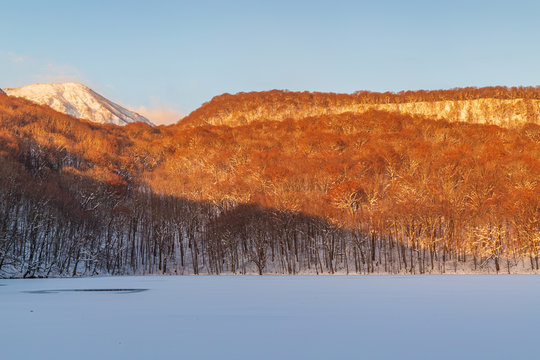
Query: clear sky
{"type": "Point", "coordinates": [174, 55]}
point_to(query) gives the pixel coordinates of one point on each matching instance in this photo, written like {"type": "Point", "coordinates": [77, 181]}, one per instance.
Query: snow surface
{"type": "Point", "coordinates": [79, 101]}
{"type": "Point", "coordinates": [272, 317]}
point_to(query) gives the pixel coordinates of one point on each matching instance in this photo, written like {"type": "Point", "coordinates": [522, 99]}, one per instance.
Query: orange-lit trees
{"type": "Point", "coordinates": [317, 192]}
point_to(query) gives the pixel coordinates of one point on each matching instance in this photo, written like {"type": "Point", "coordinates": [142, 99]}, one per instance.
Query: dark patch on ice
{"type": "Point", "coordinates": [118, 291]}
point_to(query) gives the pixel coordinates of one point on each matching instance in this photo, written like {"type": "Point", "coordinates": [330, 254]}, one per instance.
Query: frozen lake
{"type": "Point", "coordinates": [271, 317]}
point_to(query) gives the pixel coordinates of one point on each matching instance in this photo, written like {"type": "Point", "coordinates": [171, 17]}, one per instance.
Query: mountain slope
{"type": "Point", "coordinates": [508, 107]}
{"type": "Point", "coordinates": [79, 101]}
{"type": "Point", "coordinates": [377, 192]}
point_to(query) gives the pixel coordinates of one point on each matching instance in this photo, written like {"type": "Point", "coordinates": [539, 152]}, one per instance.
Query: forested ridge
{"type": "Point", "coordinates": [295, 188]}
{"type": "Point", "coordinates": [508, 107]}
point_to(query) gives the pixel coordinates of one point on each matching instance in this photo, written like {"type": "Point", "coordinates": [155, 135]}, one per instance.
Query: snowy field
{"type": "Point", "coordinates": [271, 317]}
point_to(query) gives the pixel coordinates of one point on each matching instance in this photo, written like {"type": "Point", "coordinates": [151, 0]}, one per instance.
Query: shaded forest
{"type": "Point", "coordinates": [370, 192]}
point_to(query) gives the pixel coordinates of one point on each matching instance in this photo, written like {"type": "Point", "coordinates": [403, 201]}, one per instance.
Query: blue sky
{"type": "Point", "coordinates": [175, 55]}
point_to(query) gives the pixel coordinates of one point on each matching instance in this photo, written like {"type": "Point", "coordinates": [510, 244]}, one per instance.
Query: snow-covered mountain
{"type": "Point", "coordinates": [79, 101]}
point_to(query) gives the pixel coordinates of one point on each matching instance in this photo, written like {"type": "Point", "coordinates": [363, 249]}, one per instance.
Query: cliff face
{"type": "Point", "coordinates": [241, 109]}
{"type": "Point", "coordinates": [505, 113]}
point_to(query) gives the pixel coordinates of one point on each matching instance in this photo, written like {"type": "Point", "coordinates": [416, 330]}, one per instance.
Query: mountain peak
{"type": "Point", "coordinates": [79, 101]}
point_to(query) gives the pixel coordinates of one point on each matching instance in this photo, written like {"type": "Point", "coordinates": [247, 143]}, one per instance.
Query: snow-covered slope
{"type": "Point", "coordinates": [79, 101]}
{"type": "Point", "coordinates": [2, 92]}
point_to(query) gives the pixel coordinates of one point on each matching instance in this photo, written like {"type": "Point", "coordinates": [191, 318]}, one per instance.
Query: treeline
{"type": "Point", "coordinates": [376, 192]}
{"type": "Point", "coordinates": [466, 93]}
